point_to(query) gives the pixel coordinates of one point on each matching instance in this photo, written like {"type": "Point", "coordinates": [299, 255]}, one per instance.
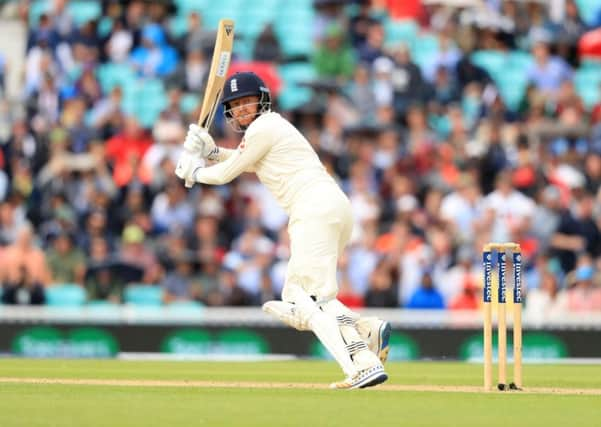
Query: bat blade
{"type": "Point", "coordinates": [222, 55]}
{"type": "Point", "coordinates": [220, 63]}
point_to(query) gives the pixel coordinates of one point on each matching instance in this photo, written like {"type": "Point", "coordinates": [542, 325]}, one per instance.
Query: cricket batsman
{"type": "Point", "coordinates": [320, 223]}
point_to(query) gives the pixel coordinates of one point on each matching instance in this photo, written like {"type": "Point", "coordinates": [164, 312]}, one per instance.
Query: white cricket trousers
{"type": "Point", "coordinates": [320, 227]}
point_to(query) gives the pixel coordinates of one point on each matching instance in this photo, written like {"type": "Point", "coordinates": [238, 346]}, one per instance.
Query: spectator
{"type": "Point", "coordinates": [191, 74]}
{"type": "Point", "coordinates": [447, 57]}
{"type": "Point", "coordinates": [373, 46]}
{"type": "Point", "coordinates": [66, 262]}
{"type": "Point", "coordinates": [362, 94]}
{"type": "Point", "coordinates": [171, 210]}
{"type": "Point", "coordinates": [334, 58]}
{"type": "Point", "coordinates": [155, 57]}
{"type": "Point", "coordinates": [577, 232]}
{"type": "Point", "coordinates": [460, 284]}
{"type": "Point", "coordinates": [409, 87]}
{"type": "Point", "coordinates": [22, 289]}
{"type": "Point", "coordinates": [133, 251]}
{"type": "Point", "coordinates": [548, 72]}
{"type": "Point", "coordinates": [507, 211]}
{"type": "Point", "coordinates": [382, 290]}
{"type": "Point", "coordinates": [267, 46]}
{"type": "Point", "coordinates": [119, 43]}
{"type": "Point", "coordinates": [427, 296]}
{"type": "Point", "coordinates": [546, 300]}
{"type": "Point", "coordinates": [101, 280]}
{"type": "Point", "coordinates": [229, 292]}
{"type": "Point", "coordinates": [196, 38]}
{"type": "Point", "coordinates": [106, 114]}
{"type": "Point", "coordinates": [463, 208]}
{"type": "Point", "coordinates": [180, 284]}
{"type": "Point", "coordinates": [23, 263]}
{"type": "Point", "coordinates": [125, 151]}
{"type": "Point", "coordinates": [546, 216]}
{"type": "Point", "coordinates": [584, 291]}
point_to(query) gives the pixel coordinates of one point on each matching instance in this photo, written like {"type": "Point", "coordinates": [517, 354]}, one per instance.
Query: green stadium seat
{"type": "Point", "coordinates": [424, 50]}
{"type": "Point", "coordinates": [189, 102]}
{"type": "Point", "coordinates": [591, 63]}
{"type": "Point", "coordinates": [297, 72]}
{"type": "Point", "coordinates": [588, 9]}
{"type": "Point", "coordinates": [512, 85]}
{"type": "Point", "coordinates": [65, 295]}
{"type": "Point", "coordinates": [400, 31]}
{"type": "Point", "coordinates": [178, 25]}
{"type": "Point", "coordinates": [587, 82]}
{"type": "Point", "coordinates": [184, 7]}
{"type": "Point", "coordinates": [143, 295]}
{"type": "Point", "coordinates": [152, 91]}
{"type": "Point", "coordinates": [114, 74]}
{"type": "Point", "coordinates": [518, 59]}
{"type": "Point", "coordinates": [253, 20]}
{"type": "Point", "coordinates": [231, 9]}
{"type": "Point", "coordinates": [83, 11]}
{"type": "Point", "coordinates": [36, 9]}
{"type": "Point", "coordinates": [105, 25]}
{"type": "Point", "coordinates": [292, 95]}
{"type": "Point", "coordinates": [295, 39]}
{"type": "Point", "coordinates": [492, 61]}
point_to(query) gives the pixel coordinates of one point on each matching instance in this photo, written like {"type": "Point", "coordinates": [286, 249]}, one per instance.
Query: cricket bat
{"type": "Point", "coordinates": [222, 54]}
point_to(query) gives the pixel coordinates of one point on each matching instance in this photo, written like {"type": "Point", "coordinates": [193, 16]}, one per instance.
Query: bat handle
{"type": "Point", "coordinates": [189, 184]}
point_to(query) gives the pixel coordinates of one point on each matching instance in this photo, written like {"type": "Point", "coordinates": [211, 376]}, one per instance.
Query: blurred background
{"type": "Point", "coordinates": [449, 124]}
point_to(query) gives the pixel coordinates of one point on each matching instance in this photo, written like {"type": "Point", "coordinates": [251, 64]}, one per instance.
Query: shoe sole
{"type": "Point", "coordinates": [384, 341]}
{"type": "Point", "coordinates": [375, 381]}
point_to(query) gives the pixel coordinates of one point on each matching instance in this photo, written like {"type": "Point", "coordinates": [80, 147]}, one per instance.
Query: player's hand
{"type": "Point", "coordinates": [200, 143]}
{"type": "Point", "coordinates": [186, 166]}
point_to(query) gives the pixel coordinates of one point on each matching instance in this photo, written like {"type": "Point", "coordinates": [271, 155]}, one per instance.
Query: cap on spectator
{"type": "Point", "coordinates": [154, 33]}
{"type": "Point", "coordinates": [465, 180]}
{"type": "Point", "coordinates": [383, 65]}
{"type": "Point", "coordinates": [210, 207]}
{"type": "Point", "coordinates": [133, 234]}
{"type": "Point", "coordinates": [168, 130]}
{"type": "Point", "coordinates": [333, 31]}
{"type": "Point", "coordinates": [569, 176]}
{"type": "Point", "coordinates": [465, 254]}
{"type": "Point", "coordinates": [584, 273]}
{"type": "Point", "coordinates": [264, 246]}
{"type": "Point", "coordinates": [406, 203]}
{"type": "Point", "coordinates": [58, 134]}
{"type": "Point", "coordinates": [232, 261]}
{"type": "Point", "coordinates": [540, 35]}
{"type": "Point", "coordinates": [551, 192]}
{"type": "Point", "coordinates": [63, 213]}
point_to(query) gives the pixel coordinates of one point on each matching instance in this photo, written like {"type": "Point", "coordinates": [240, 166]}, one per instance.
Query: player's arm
{"type": "Point", "coordinates": [241, 160]}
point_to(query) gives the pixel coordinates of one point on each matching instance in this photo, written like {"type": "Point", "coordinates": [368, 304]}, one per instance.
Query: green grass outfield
{"type": "Point", "coordinates": [287, 393]}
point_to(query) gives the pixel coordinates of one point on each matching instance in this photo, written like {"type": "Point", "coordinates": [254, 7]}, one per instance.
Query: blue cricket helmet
{"type": "Point", "coordinates": [244, 84]}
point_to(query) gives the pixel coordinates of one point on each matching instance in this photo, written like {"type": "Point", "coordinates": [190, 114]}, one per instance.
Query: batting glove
{"type": "Point", "coordinates": [200, 143]}
{"type": "Point", "coordinates": [187, 165]}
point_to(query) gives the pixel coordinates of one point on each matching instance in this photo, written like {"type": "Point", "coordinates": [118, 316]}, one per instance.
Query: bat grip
{"type": "Point", "coordinates": [189, 184]}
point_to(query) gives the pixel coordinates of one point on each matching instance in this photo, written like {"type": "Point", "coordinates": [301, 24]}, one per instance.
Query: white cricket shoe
{"type": "Point", "coordinates": [376, 334]}
{"type": "Point", "coordinates": [364, 378]}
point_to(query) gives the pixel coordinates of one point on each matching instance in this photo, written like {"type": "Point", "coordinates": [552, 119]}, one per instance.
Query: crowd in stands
{"type": "Point", "coordinates": [447, 127]}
